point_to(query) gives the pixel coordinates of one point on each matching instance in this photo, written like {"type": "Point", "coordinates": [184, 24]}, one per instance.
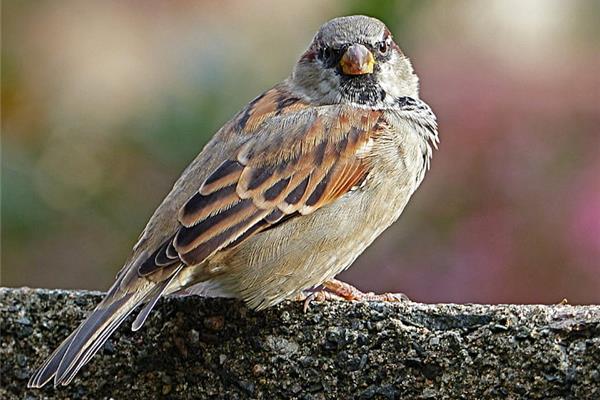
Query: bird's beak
{"type": "Point", "coordinates": [357, 60]}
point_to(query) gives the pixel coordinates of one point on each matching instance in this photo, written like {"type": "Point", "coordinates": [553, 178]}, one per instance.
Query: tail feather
{"type": "Point", "coordinates": [78, 348]}
{"type": "Point", "coordinates": [151, 299]}
{"type": "Point", "coordinates": [46, 371]}
{"type": "Point", "coordinates": [91, 336]}
{"type": "Point", "coordinates": [88, 338]}
{"type": "Point", "coordinates": [81, 345]}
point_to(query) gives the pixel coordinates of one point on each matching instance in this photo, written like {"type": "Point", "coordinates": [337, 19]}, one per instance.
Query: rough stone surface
{"type": "Point", "coordinates": [196, 348]}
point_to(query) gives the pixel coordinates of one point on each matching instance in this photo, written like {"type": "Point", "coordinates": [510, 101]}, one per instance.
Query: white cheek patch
{"type": "Point", "coordinates": [387, 82]}
{"type": "Point", "coordinates": [388, 79]}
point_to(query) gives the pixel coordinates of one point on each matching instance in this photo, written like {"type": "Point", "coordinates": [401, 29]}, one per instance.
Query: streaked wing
{"type": "Point", "coordinates": [294, 163]}
{"type": "Point", "coordinates": [286, 160]}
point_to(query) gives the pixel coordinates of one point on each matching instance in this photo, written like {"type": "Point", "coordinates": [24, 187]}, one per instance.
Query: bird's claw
{"type": "Point", "coordinates": [338, 290]}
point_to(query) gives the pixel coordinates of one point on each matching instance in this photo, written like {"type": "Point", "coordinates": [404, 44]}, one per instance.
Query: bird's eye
{"type": "Point", "coordinates": [326, 53]}
{"type": "Point", "coordinates": [383, 47]}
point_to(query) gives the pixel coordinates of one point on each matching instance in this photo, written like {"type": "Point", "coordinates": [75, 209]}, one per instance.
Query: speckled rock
{"type": "Point", "coordinates": [196, 348]}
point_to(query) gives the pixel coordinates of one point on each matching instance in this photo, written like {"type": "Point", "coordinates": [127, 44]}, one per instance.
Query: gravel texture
{"type": "Point", "coordinates": [197, 348]}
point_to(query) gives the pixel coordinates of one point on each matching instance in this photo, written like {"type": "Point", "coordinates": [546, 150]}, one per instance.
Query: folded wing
{"type": "Point", "coordinates": [290, 160]}
{"type": "Point", "coordinates": [295, 165]}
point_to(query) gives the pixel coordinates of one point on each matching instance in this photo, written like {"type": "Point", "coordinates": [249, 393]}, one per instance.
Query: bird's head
{"type": "Point", "coordinates": [354, 60]}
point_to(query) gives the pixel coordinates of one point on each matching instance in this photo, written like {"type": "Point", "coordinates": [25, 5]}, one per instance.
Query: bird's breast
{"type": "Point", "coordinates": [307, 250]}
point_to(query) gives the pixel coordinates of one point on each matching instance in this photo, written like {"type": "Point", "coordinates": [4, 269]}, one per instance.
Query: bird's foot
{"type": "Point", "coordinates": [350, 293]}
{"type": "Point", "coordinates": [320, 295]}
{"type": "Point", "coordinates": [338, 290]}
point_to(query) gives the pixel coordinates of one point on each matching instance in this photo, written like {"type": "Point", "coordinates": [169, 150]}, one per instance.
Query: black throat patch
{"type": "Point", "coordinates": [361, 89]}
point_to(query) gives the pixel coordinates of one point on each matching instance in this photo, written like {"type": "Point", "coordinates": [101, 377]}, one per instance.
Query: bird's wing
{"type": "Point", "coordinates": [291, 166]}
{"type": "Point", "coordinates": [278, 158]}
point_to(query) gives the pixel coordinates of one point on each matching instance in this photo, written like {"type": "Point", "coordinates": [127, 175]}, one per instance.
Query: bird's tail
{"type": "Point", "coordinates": [81, 345]}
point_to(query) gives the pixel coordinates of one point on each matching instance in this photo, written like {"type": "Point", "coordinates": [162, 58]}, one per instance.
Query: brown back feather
{"type": "Point", "coordinates": [295, 161]}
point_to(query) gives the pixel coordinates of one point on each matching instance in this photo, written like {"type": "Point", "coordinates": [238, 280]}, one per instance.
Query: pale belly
{"type": "Point", "coordinates": [305, 251]}
{"type": "Point", "coordinates": [308, 250]}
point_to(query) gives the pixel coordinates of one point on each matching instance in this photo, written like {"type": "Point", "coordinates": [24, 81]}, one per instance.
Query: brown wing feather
{"type": "Point", "coordinates": [307, 162]}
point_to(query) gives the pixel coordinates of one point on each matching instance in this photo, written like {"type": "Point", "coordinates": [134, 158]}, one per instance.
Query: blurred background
{"type": "Point", "coordinates": [104, 104]}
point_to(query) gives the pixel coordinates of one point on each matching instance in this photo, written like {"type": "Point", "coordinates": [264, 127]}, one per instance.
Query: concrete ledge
{"type": "Point", "coordinates": [196, 348]}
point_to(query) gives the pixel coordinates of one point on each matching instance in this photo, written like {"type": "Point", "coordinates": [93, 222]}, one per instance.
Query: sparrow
{"type": "Point", "coordinates": [286, 195]}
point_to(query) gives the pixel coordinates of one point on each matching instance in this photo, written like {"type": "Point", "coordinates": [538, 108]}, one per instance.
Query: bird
{"type": "Point", "coordinates": [286, 195]}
